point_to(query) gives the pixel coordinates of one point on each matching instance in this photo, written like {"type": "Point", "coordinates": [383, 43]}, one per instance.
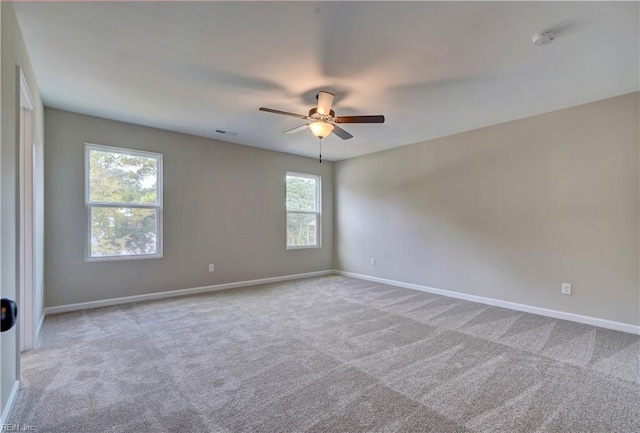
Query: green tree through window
{"type": "Point", "coordinates": [123, 202]}
{"type": "Point", "coordinates": [303, 210]}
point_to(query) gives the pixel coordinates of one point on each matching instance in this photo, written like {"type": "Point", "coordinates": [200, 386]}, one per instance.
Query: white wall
{"type": "Point", "coordinates": [14, 55]}
{"type": "Point", "coordinates": [507, 212]}
{"type": "Point", "coordinates": [223, 204]}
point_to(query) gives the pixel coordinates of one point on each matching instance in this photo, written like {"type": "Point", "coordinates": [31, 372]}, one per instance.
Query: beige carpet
{"type": "Point", "coordinates": [327, 354]}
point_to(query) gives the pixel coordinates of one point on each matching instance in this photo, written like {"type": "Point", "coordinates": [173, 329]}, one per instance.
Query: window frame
{"type": "Point", "coordinates": [89, 205]}
{"type": "Point", "coordinates": [317, 212]}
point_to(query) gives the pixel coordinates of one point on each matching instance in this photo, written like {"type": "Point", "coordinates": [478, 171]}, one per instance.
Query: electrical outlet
{"type": "Point", "coordinates": [372, 261]}
{"type": "Point", "coordinates": [211, 267]}
{"type": "Point", "coordinates": [566, 288]}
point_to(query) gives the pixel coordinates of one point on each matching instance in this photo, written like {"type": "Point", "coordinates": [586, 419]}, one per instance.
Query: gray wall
{"type": "Point", "coordinates": [13, 55]}
{"type": "Point", "coordinates": [507, 212]}
{"type": "Point", "coordinates": [223, 204]}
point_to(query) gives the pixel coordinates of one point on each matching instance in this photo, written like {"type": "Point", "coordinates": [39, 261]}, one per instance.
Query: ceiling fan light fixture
{"type": "Point", "coordinates": [321, 129]}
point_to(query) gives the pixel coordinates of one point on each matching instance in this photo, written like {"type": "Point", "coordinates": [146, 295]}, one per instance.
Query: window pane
{"type": "Point", "coordinates": [301, 229]}
{"type": "Point", "coordinates": [122, 178]}
{"type": "Point", "coordinates": [117, 231]}
{"type": "Point", "coordinates": [301, 193]}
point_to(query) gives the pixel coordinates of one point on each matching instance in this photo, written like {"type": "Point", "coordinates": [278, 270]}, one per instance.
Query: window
{"type": "Point", "coordinates": [123, 197]}
{"type": "Point", "coordinates": [303, 210]}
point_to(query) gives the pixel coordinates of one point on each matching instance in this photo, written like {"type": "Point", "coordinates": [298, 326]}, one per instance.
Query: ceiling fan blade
{"type": "Point", "coordinates": [360, 119]}
{"type": "Point", "coordinates": [296, 129]}
{"type": "Point", "coordinates": [286, 113]}
{"type": "Point", "coordinates": [341, 133]}
{"type": "Point", "coordinates": [325, 100]}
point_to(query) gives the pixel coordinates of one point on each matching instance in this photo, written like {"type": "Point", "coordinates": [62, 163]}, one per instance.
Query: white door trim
{"type": "Point", "coordinates": [26, 294]}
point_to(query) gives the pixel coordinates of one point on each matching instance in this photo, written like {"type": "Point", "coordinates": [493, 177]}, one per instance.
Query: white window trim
{"type": "Point", "coordinates": [89, 205]}
{"type": "Point", "coordinates": [317, 213]}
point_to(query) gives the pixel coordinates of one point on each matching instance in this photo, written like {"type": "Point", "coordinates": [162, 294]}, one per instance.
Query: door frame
{"type": "Point", "coordinates": [26, 257]}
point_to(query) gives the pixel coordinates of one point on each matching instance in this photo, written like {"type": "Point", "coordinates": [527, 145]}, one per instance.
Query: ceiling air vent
{"type": "Point", "coordinates": [229, 133]}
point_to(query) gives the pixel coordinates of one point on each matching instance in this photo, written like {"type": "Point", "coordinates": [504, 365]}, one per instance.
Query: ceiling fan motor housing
{"type": "Point", "coordinates": [314, 113]}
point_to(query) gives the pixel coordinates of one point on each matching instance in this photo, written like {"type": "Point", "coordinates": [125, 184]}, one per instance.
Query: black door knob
{"type": "Point", "coordinates": [9, 310]}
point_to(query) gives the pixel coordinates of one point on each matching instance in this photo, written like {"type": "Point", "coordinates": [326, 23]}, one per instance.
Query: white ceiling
{"type": "Point", "coordinates": [432, 68]}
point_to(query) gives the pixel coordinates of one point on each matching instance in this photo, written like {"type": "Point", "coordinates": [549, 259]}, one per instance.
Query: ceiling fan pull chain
{"type": "Point", "coordinates": [320, 155]}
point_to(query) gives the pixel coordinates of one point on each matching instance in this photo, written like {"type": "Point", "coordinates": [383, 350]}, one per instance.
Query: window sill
{"type": "Point", "coordinates": [303, 247]}
{"type": "Point", "coordinates": [121, 258]}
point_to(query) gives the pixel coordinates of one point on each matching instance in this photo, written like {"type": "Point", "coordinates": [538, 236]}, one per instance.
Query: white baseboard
{"type": "Point", "coordinates": [174, 293]}
{"type": "Point", "coordinates": [602, 323]}
{"type": "Point", "coordinates": [10, 402]}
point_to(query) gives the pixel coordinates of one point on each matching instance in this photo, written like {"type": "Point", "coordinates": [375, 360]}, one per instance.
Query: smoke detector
{"type": "Point", "coordinates": [543, 38]}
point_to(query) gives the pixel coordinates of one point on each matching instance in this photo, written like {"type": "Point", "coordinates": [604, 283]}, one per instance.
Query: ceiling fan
{"type": "Point", "coordinates": [323, 119]}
